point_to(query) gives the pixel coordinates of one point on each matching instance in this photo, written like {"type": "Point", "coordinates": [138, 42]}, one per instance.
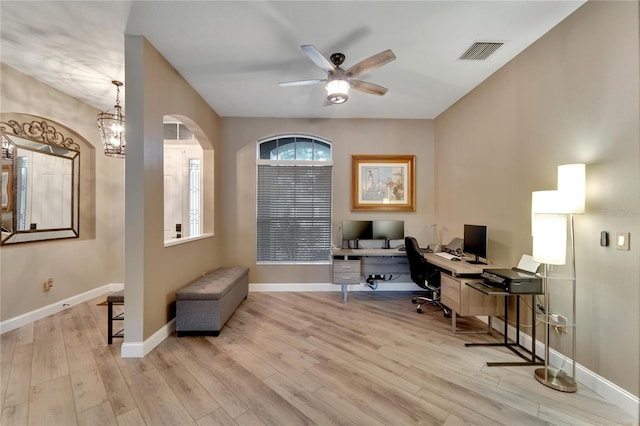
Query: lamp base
{"type": "Point", "coordinates": [556, 379]}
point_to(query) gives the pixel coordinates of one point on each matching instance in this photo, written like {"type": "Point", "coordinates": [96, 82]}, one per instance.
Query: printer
{"type": "Point", "coordinates": [518, 280]}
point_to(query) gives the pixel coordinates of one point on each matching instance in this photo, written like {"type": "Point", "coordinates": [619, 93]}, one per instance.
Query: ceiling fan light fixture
{"type": "Point", "coordinates": [337, 91]}
{"type": "Point", "coordinates": [112, 126]}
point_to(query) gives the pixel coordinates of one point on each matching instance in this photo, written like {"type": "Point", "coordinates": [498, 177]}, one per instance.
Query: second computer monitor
{"type": "Point", "coordinates": [388, 229]}
{"type": "Point", "coordinates": [357, 230]}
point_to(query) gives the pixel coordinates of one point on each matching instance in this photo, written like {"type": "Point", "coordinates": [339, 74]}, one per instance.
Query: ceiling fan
{"type": "Point", "coordinates": [338, 80]}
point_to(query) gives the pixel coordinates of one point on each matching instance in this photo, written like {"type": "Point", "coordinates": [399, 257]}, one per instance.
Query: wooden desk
{"type": "Point", "coordinates": [459, 297]}
{"type": "Point", "coordinates": [457, 268]}
{"type": "Point", "coordinates": [350, 264]}
{"type": "Point", "coordinates": [455, 294]}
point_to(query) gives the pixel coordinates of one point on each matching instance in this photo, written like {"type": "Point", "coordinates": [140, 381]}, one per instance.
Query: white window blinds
{"type": "Point", "coordinates": [294, 214]}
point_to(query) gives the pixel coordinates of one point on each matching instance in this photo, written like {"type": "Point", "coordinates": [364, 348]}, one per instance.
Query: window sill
{"type": "Point", "coordinates": [178, 241]}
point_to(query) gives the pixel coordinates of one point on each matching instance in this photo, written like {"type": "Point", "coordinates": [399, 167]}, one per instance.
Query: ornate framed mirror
{"type": "Point", "coordinates": [40, 183]}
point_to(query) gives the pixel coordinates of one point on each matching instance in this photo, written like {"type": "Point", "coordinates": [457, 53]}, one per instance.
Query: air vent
{"type": "Point", "coordinates": [480, 51]}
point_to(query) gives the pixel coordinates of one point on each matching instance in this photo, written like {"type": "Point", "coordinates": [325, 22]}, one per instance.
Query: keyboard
{"type": "Point", "coordinates": [447, 256]}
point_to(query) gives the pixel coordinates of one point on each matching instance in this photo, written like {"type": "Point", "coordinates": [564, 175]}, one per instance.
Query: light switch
{"type": "Point", "coordinates": [622, 241]}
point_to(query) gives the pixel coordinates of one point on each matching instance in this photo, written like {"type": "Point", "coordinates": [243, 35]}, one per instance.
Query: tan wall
{"type": "Point", "coordinates": [153, 273]}
{"type": "Point", "coordinates": [76, 265]}
{"type": "Point", "coordinates": [348, 137]}
{"type": "Point", "coordinates": [571, 97]}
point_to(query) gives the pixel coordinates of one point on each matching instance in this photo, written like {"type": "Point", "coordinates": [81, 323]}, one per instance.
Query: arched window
{"type": "Point", "coordinates": [294, 200]}
{"type": "Point", "coordinates": [296, 148]}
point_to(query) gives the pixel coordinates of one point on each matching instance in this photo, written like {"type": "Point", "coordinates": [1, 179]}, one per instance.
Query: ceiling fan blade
{"type": "Point", "coordinates": [318, 58]}
{"type": "Point", "coordinates": [366, 87]}
{"type": "Point", "coordinates": [302, 82]}
{"type": "Point", "coordinates": [371, 62]}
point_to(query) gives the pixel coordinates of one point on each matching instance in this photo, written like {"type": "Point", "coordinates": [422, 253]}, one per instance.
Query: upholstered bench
{"type": "Point", "coordinates": [115, 298]}
{"type": "Point", "coordinates": [204, 306]}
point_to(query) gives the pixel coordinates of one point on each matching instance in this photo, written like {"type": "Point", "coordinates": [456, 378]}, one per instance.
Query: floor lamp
{"type": "Point", "coordinates": [549, 248]}
{"type": "Point", "coordinates": [549, 228]}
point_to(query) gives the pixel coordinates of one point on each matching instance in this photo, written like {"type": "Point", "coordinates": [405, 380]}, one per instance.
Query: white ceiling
{"type": "Point", "coordinates": [235, 52]}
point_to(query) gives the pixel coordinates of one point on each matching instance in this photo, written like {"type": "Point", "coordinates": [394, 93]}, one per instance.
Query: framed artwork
{"type": "Point", "coordinates": [7, 192]}
{"type": "Point", "coordinates": [383, 183]}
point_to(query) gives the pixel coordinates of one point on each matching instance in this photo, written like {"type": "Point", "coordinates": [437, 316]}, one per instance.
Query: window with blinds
{"type": "Point", "coordinates": [294, 204]}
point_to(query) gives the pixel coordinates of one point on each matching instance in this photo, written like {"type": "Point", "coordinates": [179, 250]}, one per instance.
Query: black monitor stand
{"type": "Point", "coordinates": [476, 262]}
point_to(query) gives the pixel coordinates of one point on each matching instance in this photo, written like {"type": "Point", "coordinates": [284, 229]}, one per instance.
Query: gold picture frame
{"type": "Point", "coordinates": [383, 183]}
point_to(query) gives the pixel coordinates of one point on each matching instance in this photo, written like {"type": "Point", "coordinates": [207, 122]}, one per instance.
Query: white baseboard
{"type": "Point", "coordinates": [132, 350]}
{"type": "Point", "coordinates": [141, 349]}
{"type": "Point", "coordinates": [585, 377]}
{"type": "Point", "coordinates": [45, 311]}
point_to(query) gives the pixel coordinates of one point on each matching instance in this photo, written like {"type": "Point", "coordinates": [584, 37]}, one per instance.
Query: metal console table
{"type": "Point", "coordinates": [529, 356]}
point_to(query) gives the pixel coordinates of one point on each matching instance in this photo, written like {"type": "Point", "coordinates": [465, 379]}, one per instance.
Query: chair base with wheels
{"type": "Point", "coordinates": [421, 300]}
{"type": "Point", "coordinates": [424, 275]}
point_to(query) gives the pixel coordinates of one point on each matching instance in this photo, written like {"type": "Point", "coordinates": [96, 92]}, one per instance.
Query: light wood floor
{"type": "Point", "coordinates": [282, 359]}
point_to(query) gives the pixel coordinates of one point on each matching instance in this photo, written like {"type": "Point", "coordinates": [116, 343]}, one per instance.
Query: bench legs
{"type": "Point", "coordinates": [111, 319]}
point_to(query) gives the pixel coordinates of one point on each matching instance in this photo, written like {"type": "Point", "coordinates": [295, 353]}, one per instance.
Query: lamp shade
{"type": "Point", "coordinates": [547, 202]}
{"type": "Point", "coordinates": [550, 238]}
{"type": "Point", "coordinates": [337, 91]}
{"type": "Point", "coordinates": [571, 183]}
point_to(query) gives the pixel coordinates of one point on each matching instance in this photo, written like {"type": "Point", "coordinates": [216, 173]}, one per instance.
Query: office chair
{"type": "Point", "coordinates": [425, 275]}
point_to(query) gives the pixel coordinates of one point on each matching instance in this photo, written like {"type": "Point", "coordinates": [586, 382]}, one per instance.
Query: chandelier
{"type": "Point", "coordinates": [111, 126]}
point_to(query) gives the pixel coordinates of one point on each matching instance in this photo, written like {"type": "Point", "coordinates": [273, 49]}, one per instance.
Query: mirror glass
{"type": "Point", "coordinates": [40, 190]}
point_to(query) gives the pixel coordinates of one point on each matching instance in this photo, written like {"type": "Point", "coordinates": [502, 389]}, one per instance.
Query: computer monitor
{"type": "Point", "coordinates": [388, 229]}
{"type": "Point", "coordinates": [357, 230]}
{"type": "Point", "coordinates": [475, 242]}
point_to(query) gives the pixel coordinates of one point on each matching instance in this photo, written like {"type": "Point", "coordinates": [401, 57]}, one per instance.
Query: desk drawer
{"type": "Point", "coordinates": [340, 266]}
{"type": "Point", "coordinates": [346, 278]}
{"type": "Point", "coordinates": [450, 292]}
{"type": "Point", "coordinates": [346, 271]}
{"type": "Point", "coordinates": [466, 301]}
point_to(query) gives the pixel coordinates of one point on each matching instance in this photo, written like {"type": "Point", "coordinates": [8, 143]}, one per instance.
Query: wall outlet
{"type": "Point", "coordinates": [558, 322]}
{"type": "Point", "coordinates": [47, 285]}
